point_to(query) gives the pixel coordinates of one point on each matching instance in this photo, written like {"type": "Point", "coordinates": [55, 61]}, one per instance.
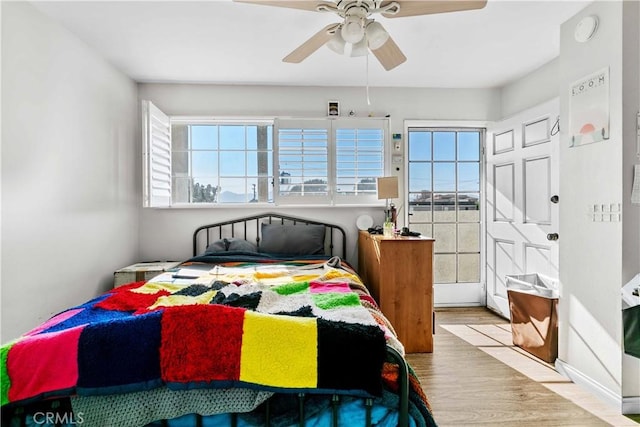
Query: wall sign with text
{"type": "Point", "coordinates": [589, 109]}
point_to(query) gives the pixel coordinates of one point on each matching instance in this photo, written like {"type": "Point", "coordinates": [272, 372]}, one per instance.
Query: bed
{"type": "Point", "coordinates": [266, 324]}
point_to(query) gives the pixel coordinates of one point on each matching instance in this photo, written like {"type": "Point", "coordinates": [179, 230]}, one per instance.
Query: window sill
{"type": "Point", "coordinates": [265, 206]}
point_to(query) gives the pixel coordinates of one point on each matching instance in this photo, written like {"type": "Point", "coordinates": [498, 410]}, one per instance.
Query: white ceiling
{"type": "Point", "coordinates": [219, 41]}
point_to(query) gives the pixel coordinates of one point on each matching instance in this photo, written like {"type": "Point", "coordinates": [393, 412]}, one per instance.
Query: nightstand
{"type": "Point", "coordinates": [141, 271]}
{"type": "Point", "coordinates": [398, 271]}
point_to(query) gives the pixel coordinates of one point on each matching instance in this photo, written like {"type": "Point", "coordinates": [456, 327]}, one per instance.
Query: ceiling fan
{"type": "Point", "coordinates": [358, 33]}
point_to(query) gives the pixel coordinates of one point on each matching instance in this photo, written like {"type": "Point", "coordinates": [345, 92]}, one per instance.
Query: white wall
{"type": "Point", "coordinates": [405, 103]}
{"type": "Point", "coordinates": [535, 88]}
{"type": "Point", "coordinates": [70, 151]}
{"type": "Point", "coordinates": [630, 157]}
{"type": "Point", "coordinates": [597, 258]}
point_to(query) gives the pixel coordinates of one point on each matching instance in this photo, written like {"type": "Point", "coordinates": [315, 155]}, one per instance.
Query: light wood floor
{"type": "Point", "coordinates": [476, 377]}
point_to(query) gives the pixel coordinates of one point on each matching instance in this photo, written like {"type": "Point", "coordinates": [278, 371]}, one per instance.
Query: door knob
{"type": "Point", "coordinates": [552, 236]}
{"type": "Point", "coordinates": [555, 198]}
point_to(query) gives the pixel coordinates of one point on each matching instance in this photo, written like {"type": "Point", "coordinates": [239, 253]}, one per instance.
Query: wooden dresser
{"type": "Point", "coordinates": [398, 271]}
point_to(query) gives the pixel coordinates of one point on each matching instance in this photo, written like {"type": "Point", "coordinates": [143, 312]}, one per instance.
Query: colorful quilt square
{"type": "Point", "coordinates": [331, 300]}
{"type": "Point", "coordinates": [55, 320]}
{"type": "Point", "coordinates": [321, 287]}
{"type": "Point", "coordinates": [5, 380]}
{"type": "Point", "coordinates": [340, 274]}
{"type": "Point", "coordinates": [279, 351]}
{"type": "Point", "coordinates": [201, 343]}
{"type": "Point", "coordinates": [130, 301]}
{"type": "Point", "coordinates": [84, 315]}
{"type": "Point", "coordinates": [155, 287]}
{"type": "Point", "coordinates": [52, 361]}
{"type": "Point", "coordinates": [119, 352]}
{"type": "Point", "coordinates": [291, 288]}
{"type": "Point", "coordinates": [248, 301]}
{"type": "Point", "coordinates": [176, 300]}
{"type": "Point", "coordinates": [341, 343]}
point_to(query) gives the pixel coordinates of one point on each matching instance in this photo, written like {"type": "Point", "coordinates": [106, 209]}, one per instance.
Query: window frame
{"type": "Point", "coordinates": [453, 126]}
{"type": "Point", "coordinates": [332, 124]}
{"type": "Point", "coordinates": [332, 198]}
{"type": "Point", "coordinates": [305, 123]}
{"type": "Point", "coordinates": [220, 121]}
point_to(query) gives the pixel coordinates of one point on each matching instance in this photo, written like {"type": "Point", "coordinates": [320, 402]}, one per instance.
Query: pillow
{"type": "Point", "coordinates": [231, 244]}
{"type": "Point", "coordinates": [290, 239]}
{"type": "Point", "coordinates": [217, 246]}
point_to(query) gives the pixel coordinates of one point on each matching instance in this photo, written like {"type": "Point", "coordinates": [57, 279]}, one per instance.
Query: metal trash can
{"type": "Point", "coordinates": [533, 305]}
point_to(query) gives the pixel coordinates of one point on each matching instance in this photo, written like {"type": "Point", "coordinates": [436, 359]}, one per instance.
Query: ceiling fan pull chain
{"type": "Point", "coordinates": [368, 100]}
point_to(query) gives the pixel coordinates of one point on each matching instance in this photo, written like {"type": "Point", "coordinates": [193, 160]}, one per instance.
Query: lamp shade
{"type": "Point", "coordinates": [336, 43]}
{"type": "Point", "coordinates": [352, 30]}
{"type": "Point", "coordinates": [388, 187]}
{"type": "Point", "coordinates": [358, 49]}
{"type": "Point", "coordinates": [376, 35]}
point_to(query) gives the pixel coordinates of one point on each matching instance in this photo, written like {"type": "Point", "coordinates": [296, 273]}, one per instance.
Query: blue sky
{"type": "Point", "coordinates": [233, 161]}
{"type": "Point", "coordinates": [236, 155]}
{"type": "Point", "coordinates": [433, 155]}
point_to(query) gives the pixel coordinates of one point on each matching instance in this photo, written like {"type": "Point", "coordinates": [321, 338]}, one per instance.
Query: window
{"type": "Point", "coordinates": [285, 161]}
{"type": "Point", "coordinates": [221, 161]}
{"type": "Point", "coordinates": [303, 161]}
{"type": "Point", "coordinates": [332, 161]}
{"type": "Point", "coordinates": [444, 198]}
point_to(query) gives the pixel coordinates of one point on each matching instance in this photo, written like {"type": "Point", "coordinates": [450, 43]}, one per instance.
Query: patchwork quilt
{"type": "Point", "coordinates": [287, 326]}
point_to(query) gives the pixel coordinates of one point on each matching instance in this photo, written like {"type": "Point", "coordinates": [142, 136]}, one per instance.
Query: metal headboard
{"type": "Point", "coordinates": [248, 228]}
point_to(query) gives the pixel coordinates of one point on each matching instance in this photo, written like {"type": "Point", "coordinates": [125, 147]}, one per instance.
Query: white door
{"type": "Point", "coordinates": [522, 199]}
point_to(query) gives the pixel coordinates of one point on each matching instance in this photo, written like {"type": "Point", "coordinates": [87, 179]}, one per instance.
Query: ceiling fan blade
{"type": "Point", "coordinates": [310, 5]}
{"type": "Point", "coordinates": [314, 43]}
{"type": "Point", "coordinates": [389, 55]}
{"type": "Point", "coordinates": [427, 7]}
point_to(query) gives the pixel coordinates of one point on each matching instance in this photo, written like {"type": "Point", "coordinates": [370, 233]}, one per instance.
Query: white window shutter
{"type": "Point", "coordinates": [360, 158]}
{"type": "Point", "coordinates": [303, 161]}
{"type": "Point", "coordinates": [156, 156]}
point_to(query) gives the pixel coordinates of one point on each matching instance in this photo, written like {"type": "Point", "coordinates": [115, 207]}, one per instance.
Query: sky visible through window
{"type": "Point", "coordinates": [440, 161]}
{"type": "Point", "coordinates": [444, 198]}
{"type": "Point", "coordinates": [434, 157]}
{"type": "Point", "coordinates": [228, 156]}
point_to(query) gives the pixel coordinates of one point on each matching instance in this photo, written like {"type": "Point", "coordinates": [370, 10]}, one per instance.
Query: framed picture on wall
{"type": "Point", "coordinates": [333, 108]}
{"type": "Point", "coordinates": [589, 109]}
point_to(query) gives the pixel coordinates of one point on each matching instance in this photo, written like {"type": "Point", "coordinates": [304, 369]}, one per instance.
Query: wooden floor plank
{"type": "Point", "coordinates": [467, 386]}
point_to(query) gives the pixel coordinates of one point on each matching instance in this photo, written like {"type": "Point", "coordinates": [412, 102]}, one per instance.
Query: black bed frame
{"type": "Point", "coordinates": [248, 228]}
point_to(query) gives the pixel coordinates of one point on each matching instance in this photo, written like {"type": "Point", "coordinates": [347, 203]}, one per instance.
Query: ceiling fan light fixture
{"type": "Point", "coordinates": [353, 29]}
{"type": "Point", "coordinates": [359, 49]}
{"type": "Point", "coordinates": [376, 35]}
{"type": "Point", "coordinates": [336, 43]}
{"type": "Point", "coordinates": [358, 33]}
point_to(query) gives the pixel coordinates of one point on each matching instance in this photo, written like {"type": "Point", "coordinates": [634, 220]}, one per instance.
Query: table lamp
{"type": "Point", "coordinates": [388, 189]}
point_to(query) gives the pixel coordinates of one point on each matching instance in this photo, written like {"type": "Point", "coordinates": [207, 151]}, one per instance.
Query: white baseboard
{"type": "Point", "coordinates": [597, 389]}
{"type": "Point", "coordinates": [455, 304]}
{"type": "Point", "coordinates": [458, 295]}
{"type": "Point", "coordinates": [631, 405]}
